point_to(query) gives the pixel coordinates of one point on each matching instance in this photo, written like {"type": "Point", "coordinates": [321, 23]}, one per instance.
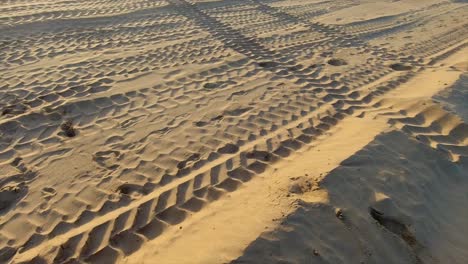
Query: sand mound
{"type": "Point", "coordinates": [400, 202]}
{"type": "Point", "coordinates": [455, 97]}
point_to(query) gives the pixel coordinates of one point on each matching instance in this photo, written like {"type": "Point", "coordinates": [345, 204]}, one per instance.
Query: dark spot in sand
{"type": "Point", "coordinates": [267, 64]}
{"type": "Point", "coordinates": [6, 111]}
{"type": "Point", "coordinates": [129, 189]}
{"type": "Point", "coordinates": [6, 254]}
{"type": "Point", "coordinates": [337, 62]}
{"type": "Point", "coordinates": [217, 118]}
{"type": "Point", "coordinates": [68, 129]}
{"type": "Point", "coordinates": [339, 214]}
{"type": "Point", "coordinates": [201, 123]}
{"type": "Point", "coordinates": [228, 149]}
{"type": "Point", "coordinates": [210, 85]}
{"type": "Point", "coordinates": [16, 161]}
{"type": "Point", "coordinates": [259, 155]}
{"type": "Point", "coordinates": [14, 109]}
{"type": "Point", "coordinates": [400, 67]}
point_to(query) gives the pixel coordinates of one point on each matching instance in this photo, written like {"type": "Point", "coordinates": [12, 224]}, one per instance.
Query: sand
{"type": "Point", "coordinates": [257, 131]}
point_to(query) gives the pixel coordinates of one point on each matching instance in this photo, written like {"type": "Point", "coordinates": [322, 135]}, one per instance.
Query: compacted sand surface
{"type": "Point", "coordinates": [241, 131]}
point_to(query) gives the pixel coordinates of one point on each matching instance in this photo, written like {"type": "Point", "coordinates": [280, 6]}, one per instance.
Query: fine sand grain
{"type": "Point", "coordinates": [256, 131]}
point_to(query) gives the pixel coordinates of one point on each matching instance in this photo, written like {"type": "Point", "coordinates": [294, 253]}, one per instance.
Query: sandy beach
{"type": "Point", "coordinates": [240, 131]}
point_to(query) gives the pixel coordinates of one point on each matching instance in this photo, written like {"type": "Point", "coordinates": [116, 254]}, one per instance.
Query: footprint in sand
{"type": "Point", "coordinates": [10, 195]}
{"type": "Point", "coordinates": [395, 226]}
{"type": "Point", "coordinates": [48, 192]}
{"type": "Point", "coordinates": [107, 159]}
